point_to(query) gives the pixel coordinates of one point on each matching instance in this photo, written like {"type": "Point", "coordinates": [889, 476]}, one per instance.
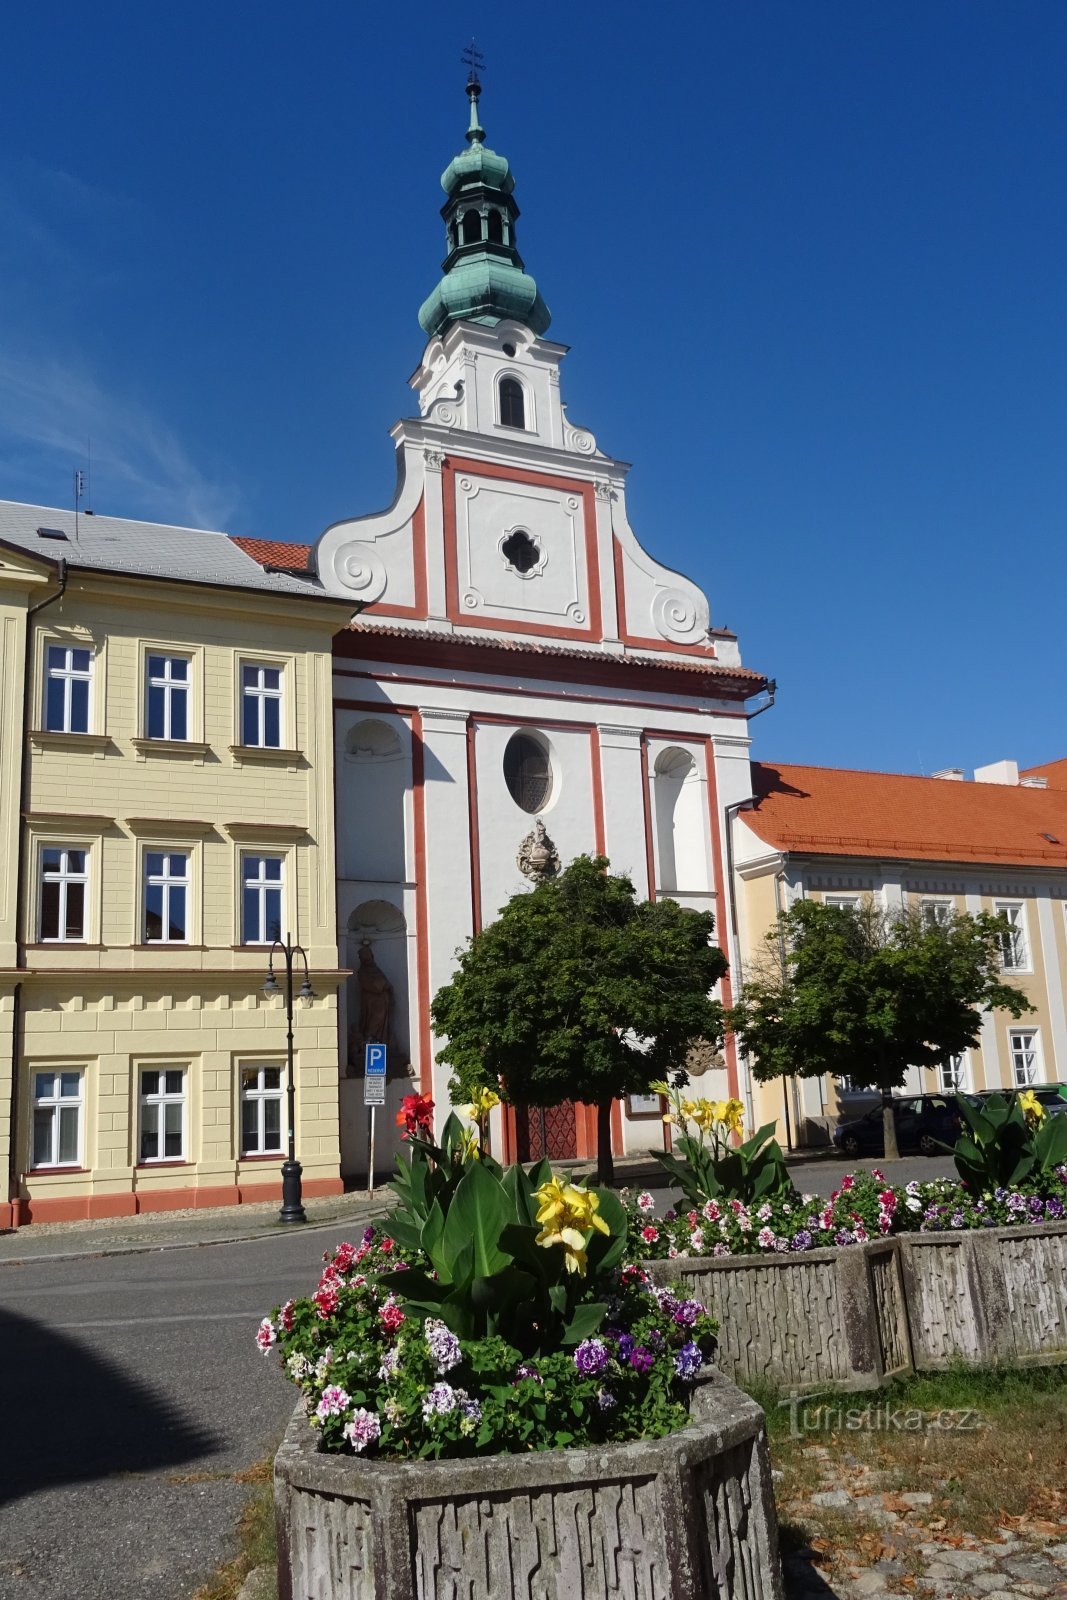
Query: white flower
{"type": "Point", "coordinates": [645, 1201]}
{"type": "Point", "coordinates": [333, 1401]}
{"type": "Point", "coordinates": [266, 1335]}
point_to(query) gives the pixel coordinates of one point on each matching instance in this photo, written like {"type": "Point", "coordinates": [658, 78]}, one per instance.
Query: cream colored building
{"type": "Point", "coordinates": [166, 809]}
{"type": "Point", "coordinates": [997, 843]}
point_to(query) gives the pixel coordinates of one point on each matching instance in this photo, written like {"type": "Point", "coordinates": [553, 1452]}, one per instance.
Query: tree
{"type": "Point", "coordinates": [868, 993]}
{"type": "Point", "coordinates": [580, 991]}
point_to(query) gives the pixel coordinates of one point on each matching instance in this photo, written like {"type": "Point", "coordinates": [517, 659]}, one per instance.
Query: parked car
{"type": "Point", "coordinates": [924, 1122]}
{"type": "Point", "coordinates": [1053, 1096]}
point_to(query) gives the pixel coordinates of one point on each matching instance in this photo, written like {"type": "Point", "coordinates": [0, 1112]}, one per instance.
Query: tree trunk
{"type": "Point", "coordinates": [605, 1166]}
{"type": "Point", "coordinates": [889, 1127]}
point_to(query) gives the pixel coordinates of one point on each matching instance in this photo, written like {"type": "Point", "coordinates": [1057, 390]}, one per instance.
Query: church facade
{"type": "Point", "coordinates": [524, 681]}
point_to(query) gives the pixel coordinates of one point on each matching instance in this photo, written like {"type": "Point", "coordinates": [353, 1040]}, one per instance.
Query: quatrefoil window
{"type": "Point", "coordinates": [520, 551]}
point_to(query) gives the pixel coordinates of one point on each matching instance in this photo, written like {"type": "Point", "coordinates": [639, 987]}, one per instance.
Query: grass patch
{"type": "Point", "coordinates": [988, 1446]}
{"type": "Point", "coordinates": [256, 1537]}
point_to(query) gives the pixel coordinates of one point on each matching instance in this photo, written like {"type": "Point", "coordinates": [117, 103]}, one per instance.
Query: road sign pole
{"type": "Point", "coordinates": [370, 1155]}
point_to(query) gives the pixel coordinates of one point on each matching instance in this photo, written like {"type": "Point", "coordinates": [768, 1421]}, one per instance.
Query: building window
{"type": "Point", "coordinates": [512, 404]}
{"type": "Point", "coordinates": [68, 676]}
{"type": "Point", "coordinates": [261, 1111]}
{"type": "Point", "coordinates": [168, 697]}
{"type": "Point", "coordinates": [936, 913]}
{"type": "Point", "coordinates": [64, 875]}
{"type": "Point", "coordinates": [57, 1119]}
{"type": "Point", "coordinates": [1025, 1056]}
{"type": "Point", "coordinates": [261, 899]}
{"type": "Point", "coordinates": [842, 902]}
{"type": "Point", "coordinates": [261, 706]}
{"type": "Point", "coordinates": [166, 897]}
{"type": "Point", "coordinates": [162, 1114]}
{"type": "Point", "coordinates": [495, 228]}
{"type": "Point", "coordinates": [528, 772]}
{"type": "Point", "coordinates": [1014, 946]}
{"type": "Point", "coordinates": [520, 551]}
{"type": "Point", "coordinates": [952, 1075]}
{"type": "Point", "coordinates": [471, 227]}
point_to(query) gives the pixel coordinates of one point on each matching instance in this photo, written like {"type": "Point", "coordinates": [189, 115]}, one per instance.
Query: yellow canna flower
{"type": "Point", "coordinates": [566, 1214]}
{"type": "Point", "coordinates": [1031, 1107]}
{"type": "Point", "coordinates": [704, 1114]}
{"type": "Point", "coordinates": [659, 1087]}
{"type": "Point", "coordinates": [731, 1113]}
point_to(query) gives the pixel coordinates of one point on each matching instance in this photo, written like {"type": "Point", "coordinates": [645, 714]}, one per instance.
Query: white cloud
{"type": "Point", "coordinates": [48, 411]}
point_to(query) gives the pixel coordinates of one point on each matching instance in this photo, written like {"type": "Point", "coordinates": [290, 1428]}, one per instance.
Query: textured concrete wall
{"type": "Point", "coordinates": [690, 1517]}
{"type": "Point", "coordinates": [820, 1319]}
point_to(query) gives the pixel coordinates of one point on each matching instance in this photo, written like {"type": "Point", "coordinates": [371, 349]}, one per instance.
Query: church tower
{"type": "Point", "coordinates": [524, 682]}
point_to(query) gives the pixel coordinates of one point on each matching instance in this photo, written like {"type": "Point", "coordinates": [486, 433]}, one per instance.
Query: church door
{"type": "Point", "coordinates": [546, 1132]}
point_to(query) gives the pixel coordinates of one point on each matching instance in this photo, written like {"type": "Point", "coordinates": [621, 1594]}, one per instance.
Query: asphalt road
{"type": "Point", "coordinates": [132, 1393]}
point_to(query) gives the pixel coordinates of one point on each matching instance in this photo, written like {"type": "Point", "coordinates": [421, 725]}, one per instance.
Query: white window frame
{"type": "Point", "coordinates": [162, 1098]}
{"type": "Point", "coordinates": [1020, 936]}
{"type": "Point", "coordinates": [68, 674]}
{"type": "Point", "coordinates": [170, 686]}
{"type": "Point", "coordinates": [1017, 1051]}
{"type": "Point", "coordinates": [960, 1065]}
{"type": "Point", "coordinates": [166, 880]}
{"type": "Point", "coordinates": [259, 1095]}
{"type": "Point", "coordinates": [529, 424]}
{"type": "Point", "coordinates": [843, 902]}
{"type": "Point", "coordinates": [55, 1103]}
{"type": "Point", "coordinates": [261, 694]}
{"type": "Point", "coordinates": [263, 885]}
{"type": "Point", "coordinates": [64, 877]}
{"type": "Point", "coordinates": [936, 913]}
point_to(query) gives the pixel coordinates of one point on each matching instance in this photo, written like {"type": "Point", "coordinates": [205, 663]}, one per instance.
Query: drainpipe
{"type": "Point", "coordinates": [787, 1084]}
{"type": "Point", "coordinates": [18, 1007]}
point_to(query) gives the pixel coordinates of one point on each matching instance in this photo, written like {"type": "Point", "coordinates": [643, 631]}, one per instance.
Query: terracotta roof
{"type": "Point", "coordinates": [837, 812]}
{"type": "Point", "coordinates": [414, 637]}
{"type": "Point", "coordinates": [1054, 771]}
{"type": "Point", "coordinates": [274, 552]}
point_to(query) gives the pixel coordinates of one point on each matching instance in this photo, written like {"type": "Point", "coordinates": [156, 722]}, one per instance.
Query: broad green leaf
{"type": "Point", "coordinates": [480, 1210]}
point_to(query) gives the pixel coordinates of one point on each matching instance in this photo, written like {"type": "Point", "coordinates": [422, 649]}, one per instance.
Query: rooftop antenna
{"type": "Point", "coordinates": [79, 495]}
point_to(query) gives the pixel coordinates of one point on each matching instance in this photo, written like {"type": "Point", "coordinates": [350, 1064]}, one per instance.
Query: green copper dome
{"type": "Point", "coordinates": [484, 276]}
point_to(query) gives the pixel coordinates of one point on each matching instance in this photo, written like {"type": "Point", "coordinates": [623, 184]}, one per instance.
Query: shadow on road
{"type": "Point", "coordinates": [70, 1416]}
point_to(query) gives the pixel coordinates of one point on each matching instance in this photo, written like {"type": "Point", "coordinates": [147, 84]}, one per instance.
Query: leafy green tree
{"type": "Point", "coordinates": [868, 993]}
{"type": "Point", "coordinates": [580, 991]}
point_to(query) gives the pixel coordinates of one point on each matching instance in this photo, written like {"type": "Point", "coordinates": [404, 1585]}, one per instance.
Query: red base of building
{"type": "Point", "coordinates": [101, 1207]}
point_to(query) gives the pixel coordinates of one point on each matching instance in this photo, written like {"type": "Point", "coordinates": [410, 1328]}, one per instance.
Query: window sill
{"type": "Point", "coordinates": [58, 1172]}
{"type": "Point", "coordinates": [54, 739]}
{"type": "Point", "coordinates": [266, 752]}
{"type": "Point", "coordinates": [64, 944]}
{"type": "Point", "coordinates": [164, 944]}
{"type": "Point", "coordinates": [171, 747]}
{"type": "Point", "coordinates": [269, 1155]}
{"type": "Point", "coordinates": [153, 1166]}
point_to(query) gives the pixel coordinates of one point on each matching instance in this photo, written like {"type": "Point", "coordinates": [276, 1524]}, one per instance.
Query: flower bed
{"type": "Point", "coordinates": [864, 1207]}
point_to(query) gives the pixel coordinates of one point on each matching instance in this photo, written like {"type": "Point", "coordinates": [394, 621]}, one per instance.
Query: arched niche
{"type": "Point", "coordinates": [681, 825]}
{"type": "Point", "coordinates": [380, 928]}
{"type": "Point", "coordinates": [373, 788]}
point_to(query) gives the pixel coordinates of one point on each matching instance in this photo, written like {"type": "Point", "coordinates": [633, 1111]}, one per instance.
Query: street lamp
{"type": "Point", "coordinates": [292, 1206]}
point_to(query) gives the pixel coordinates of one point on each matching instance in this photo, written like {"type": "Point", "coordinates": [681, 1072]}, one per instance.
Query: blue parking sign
{"type": "Point", "coordinates": [374, 1075]}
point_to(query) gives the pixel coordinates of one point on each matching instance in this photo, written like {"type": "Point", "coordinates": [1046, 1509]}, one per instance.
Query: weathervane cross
{"type": "Point", "coordinates": [472, 57]}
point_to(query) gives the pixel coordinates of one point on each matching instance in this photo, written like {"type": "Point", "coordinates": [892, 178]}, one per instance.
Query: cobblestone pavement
{"type": "Point", "coordinates": [899, 1548]}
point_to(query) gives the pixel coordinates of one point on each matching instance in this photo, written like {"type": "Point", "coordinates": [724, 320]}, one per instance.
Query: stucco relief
{"type": "Point", "coordinates": [538, 858]}
{"type": "Point", "coordinates": [675, 615]}
{"type": "Point", "coordinates": [492, 519]}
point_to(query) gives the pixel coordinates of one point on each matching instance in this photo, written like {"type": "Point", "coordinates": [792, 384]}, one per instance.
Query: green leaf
{"type": "Point", "coordinates": [584, 1322]}
{"type": "Point", "coordinates": [480, 1210]}
{"type": "Point", "coordinates": [432, 1231]}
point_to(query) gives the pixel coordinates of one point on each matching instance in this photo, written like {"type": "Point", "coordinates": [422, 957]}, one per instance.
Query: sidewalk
{"type": "Point", "coordinates": [182, 1230]}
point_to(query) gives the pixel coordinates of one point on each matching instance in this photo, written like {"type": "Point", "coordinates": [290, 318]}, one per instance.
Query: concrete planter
{"type": "Point", "coordinates": [819, 1319]}
{"type": "Point", "coordinates": [690, 1517]}
{"type": "Point", "coordinates": [850, 1318]}
{"type": "Point", "coordinates": [986, 1298]}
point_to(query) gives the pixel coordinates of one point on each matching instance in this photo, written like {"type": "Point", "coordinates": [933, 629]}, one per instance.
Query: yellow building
{"type": "Point", "coordinates": [166, 810]}
{"type": "Point", "coordinates": [996, 844]}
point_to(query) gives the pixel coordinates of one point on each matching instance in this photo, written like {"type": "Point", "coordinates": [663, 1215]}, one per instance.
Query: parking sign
{"type": "Point", "coordinates": [374, 1075]}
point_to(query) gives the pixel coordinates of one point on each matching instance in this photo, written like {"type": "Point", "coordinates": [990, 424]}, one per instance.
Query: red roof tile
{"type": "Point", "coordinates": [837, 812]}
{"type": "Point", "coordinates": [274, 552]}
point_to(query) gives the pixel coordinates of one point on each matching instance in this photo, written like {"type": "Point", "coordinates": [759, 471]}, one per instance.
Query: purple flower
{"type": "Point", "coordinates": [802, 1240]}
{"type": "Point", "coordinates": [842, 1236]}
{"type": "Point", "coordinates": [1035, 1205]}
{"type": "Point", "coordinates": [626, 1345]}
{"type": "Point", "coordinates": [721, 1250]}
{"type": "Point", "coordinates": [687, 1313]}
{"type": "Point", "coordinates": [525, 1370]}
{"type": "Point", "coordinates": [363, 1428]}
{"type": "Point", "coordinates": [591, 1357]}
{"type": "Point", "coordinates": [641, 1359]}
{"type": "Point", "coordinates": [688, 1362]}
{"type": "Point", "coordinates": [440, 1400]}
{"type": "Point", "coordinates": [368, 1235]}
{"type": "Point", "coordinates": [956, 1220]}
{"type": "Point", "coordinates": [1054, 1208]}
{"type": "Point", "coordinates": [444, 1346]}
{"type": "Point", "coordinates": [605, 1399]}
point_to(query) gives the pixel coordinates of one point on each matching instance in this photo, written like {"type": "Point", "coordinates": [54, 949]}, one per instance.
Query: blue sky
{"type": "Point", "coordinates": [810, 256]}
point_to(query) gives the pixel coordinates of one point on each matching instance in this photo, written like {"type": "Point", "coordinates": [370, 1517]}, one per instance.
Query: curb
{"type": "Point", "coordinates": [145, 1249]}
{"type": "Point", "coordinates": [261, 1584]}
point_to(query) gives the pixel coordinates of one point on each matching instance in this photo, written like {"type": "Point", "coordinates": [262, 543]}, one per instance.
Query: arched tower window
{"type": "Point", "coordinates": [495, 233]}
{"type": "Point", "coordinates": [472, 227]}
{"type": "Point", "coordinates": [512, 404]}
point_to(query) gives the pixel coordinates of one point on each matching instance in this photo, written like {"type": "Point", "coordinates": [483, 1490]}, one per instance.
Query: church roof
{"type": "Point", "coordinates": [1053, 772]}
{"type": "Point", "coordinates": [836, 811]}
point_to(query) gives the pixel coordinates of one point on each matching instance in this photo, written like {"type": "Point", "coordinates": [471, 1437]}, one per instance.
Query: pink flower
{"type": "Point", "coordinates": [333, 1402]}
{"type": "Point", "coordinates": [885, 1222]}
{"type": "Point", "coordinates": [712, 1211]}
{"type": "Point", "coordinates": [692, 1217]}
{"type": "Point", "coordinates": [696, 1240]}
{"type": "Point", "coordinates": [363, 1429]}
{"type": "Point", "coordinates": [888, 1199]}
{"type": "Point", "coordinates": [861, 1233]}
{"type": "Point", "coordinates": [826, 1220]}
{"type": "Point", "coordinates": [649, 1234]}
{"type": "Point", "coordinates": [672, 1251]}
{"type": "Point", "coordinates": [390, 1315]}
{"type": "Point", "coordinates": [345, 1257]}
{"type": "Point", "coordinates": [645, 1202]}
{"type": "Point", "coordinates": [285, 1317]}
{"type": "Point", "coordinates": [325, 1299]}
{"type": "Point", "coordinates": [266, 1336]}
{"type": "Point", "coordinates": [386, 1246]}
{"type": "Point", "coordinates": [877, 1174]}
{"type": "Point", "coordinates": [848, 1182]}
{"type": "Point", "coordinates": [765, 1238]}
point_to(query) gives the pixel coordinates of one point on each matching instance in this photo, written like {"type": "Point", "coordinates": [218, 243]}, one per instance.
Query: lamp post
{"type": "Point", "coordinates": [292, 1206]}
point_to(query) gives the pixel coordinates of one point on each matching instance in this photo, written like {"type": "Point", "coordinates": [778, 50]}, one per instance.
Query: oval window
{"type": "Point", "coordinates": [528, 772]}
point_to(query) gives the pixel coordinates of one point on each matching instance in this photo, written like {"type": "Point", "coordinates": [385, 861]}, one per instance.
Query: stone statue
{"type": "Point", "coordinates": [375, 1006]}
